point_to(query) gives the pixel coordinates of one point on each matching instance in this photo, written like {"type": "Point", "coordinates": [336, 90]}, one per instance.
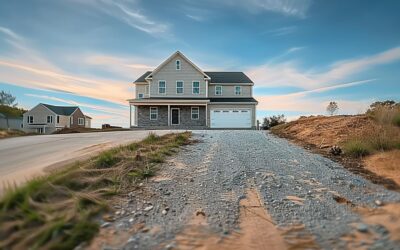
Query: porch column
{"type": "Point", "coordinates": [169, 115]}
{"type": "Point", "coordinates": [206, 115]}
{"type": "Point", "coordinates": [130, 115]}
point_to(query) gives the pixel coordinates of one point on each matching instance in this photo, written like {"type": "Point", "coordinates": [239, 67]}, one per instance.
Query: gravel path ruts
{"type": "Point", "coordinates": [213, 175]}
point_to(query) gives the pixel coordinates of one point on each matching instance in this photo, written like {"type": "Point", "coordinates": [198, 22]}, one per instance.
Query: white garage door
{"type": "Point", "coordinates": [230, 118]}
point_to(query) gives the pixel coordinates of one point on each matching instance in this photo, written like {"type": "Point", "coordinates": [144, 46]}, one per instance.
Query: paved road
{"type": "Point", "coordinates": [234, 188]}
{"type": "Point", "coordinates": [22, 158]}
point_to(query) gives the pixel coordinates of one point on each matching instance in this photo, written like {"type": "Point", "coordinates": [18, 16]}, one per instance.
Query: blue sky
{"type": "Point", "coordinates": [301, 54]}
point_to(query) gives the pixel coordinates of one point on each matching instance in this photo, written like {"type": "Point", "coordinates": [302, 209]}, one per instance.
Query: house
{"type": "Point", "coordinates": [46, 119]}
{"type": "Point", "coordinates": [7, 122]}
{"type": "Point", "coordinates": [178, 94]}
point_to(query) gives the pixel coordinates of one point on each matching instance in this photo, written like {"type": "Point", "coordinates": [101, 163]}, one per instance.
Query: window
{"type": "Point", "coordinates": [161, 87]}
{"type": "Point", "coordinates": [81, 121]}
{"type": "Point", "coordinates": [195, 113]}
{"type": "Point", "coordinates": [196, 87]}
{"type": "Point", "coordinates": [30, 119]}
{"type": "Point", "coordinates": [178, 65]}
{"type": "Point", "coordinates": [153, 113]}
{"type": "Point", "coordinates": [140, 95]}
{"type": "Point", "coordinates": [71, 120]}
{"type": "Point", "coordinates": [58, 119]}
{"type": "Point", "coordinates": [49, 119]}
{"type": "Point", "coordinates": [179, 87]}
{"type": "Point", "coordinates": [218, 90]}
{"type": "Point", "coordinates": [238, 90]}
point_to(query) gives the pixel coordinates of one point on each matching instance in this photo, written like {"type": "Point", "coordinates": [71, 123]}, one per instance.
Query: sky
{"type": "Point", "coordinates": [301, 54]}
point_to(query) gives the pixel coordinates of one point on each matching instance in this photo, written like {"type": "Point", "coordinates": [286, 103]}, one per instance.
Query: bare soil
{"type": "Point", "coordinates": [320, 133]}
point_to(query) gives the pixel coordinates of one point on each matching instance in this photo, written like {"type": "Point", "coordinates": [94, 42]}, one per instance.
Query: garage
{"type": "Point", "coordinates": [230, 118]}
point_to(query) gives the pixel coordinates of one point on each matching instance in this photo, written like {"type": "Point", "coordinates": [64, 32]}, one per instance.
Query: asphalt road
{"type": "Point", "coordinates": [22, 158]}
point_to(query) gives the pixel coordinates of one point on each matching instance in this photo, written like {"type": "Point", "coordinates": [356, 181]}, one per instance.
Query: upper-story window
{"type": "Point", "coordinates": [238, 90]}
{"type": "Point", "coordinates": [58, 119]}
{"type": "Point", "coordinates": [218, 90]}
{"type": "Point", "coordinates": [161, 87]}
{"type": "Point", "coordinates": [140, 95]}
{"type": "Point", "coordinates": [196, 88]}
{"type": "Point", "coordinates": [49, 119]}
{"type": "Point", "coordinates": [179, 87]}
{"type": "Point", "coordinates": [30, 119]}
{"type": "Point", "coordinates": [178, 65]}
{"type": "Point", "coordinates": [71, 120]}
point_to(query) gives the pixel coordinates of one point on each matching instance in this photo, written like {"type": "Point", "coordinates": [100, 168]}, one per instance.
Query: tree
{"type": "Point", "coordinates": [7, 99]}
{"type": "Point", "coordinates": [272, 121]}
{"type": "Point", "coordinates": [332, 108]}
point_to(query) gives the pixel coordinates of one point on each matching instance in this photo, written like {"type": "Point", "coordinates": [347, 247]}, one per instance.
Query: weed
{"type": "Point", "coordinates": [357, 148]}
{"type": "Point", "coordinates": [151, 138]}
{"type": "Point", "coordinates": [106, 159]}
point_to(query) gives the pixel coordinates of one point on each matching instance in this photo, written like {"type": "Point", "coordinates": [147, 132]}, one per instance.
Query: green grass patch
{"type": "Point", "coordinates": [357, 148]}
{"type": "Point", "coordinates": [58, 211]}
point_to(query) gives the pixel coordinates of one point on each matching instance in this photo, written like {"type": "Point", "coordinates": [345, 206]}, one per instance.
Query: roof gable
{"type": "Point", "coordinates": [178, 53]}
{"type": "Point", "coordinates": [61, 110]}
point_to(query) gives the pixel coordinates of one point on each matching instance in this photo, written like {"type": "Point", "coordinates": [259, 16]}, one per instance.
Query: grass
{"type": "Point", "coordinates": [57, 211]}
{"type": "Point", "coordinates": [383, 135]}
{"type": "Point", "coordinates": [4, 133]}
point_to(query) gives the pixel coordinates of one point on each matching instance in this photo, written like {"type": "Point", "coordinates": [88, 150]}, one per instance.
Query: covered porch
{"type": "Point", "coordinates": [168, 113]}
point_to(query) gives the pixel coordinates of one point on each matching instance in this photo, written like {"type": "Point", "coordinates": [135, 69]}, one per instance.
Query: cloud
{"type": "Point", "coordinates": [129, 13]}
{"type": "Point", "coordinates": [296, 8]}
{"type": "Point", "coordinates": [289, 74]}
{"type": "Point", "coordinates": [10, 33]}
{"type": "Point", "coordinates": [281, 31]}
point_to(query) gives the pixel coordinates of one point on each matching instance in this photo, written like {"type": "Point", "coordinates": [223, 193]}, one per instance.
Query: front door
{"type": "Point", "coordinates": [175, 116]}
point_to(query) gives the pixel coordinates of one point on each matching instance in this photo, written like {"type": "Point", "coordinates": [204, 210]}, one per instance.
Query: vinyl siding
{"type": "Point", "coordinates": [141, 89]}
{"type": "Point", "coordinates": [229, 91]}
{"type": "Point", "coordinates": [187, 74]}
{"type": "Point", "coordinates": [39, 114]}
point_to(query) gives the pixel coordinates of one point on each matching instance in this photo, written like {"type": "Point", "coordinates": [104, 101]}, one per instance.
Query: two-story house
{"type": "Point", "coordinates": [46, 119]}
{"type": "Point", "coordinates": [178, 94]}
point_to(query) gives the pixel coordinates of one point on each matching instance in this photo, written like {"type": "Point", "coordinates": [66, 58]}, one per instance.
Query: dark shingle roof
{"type": "Point", "coordinates": [61, 110]}
{"type": "Point", "coordinates": [142, 78]}
{"type": "Point", "coordinates": [228, 77]}
{"type": "Point", "coordinates": [241, 99]}
{"type": "Point", "coordinates": [216, 77]}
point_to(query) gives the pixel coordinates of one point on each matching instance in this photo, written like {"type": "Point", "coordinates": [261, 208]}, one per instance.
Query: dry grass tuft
{"type": "Point", "coordinates": [57, 211]}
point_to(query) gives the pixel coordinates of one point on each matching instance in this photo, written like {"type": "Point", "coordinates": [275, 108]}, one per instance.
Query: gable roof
{"type": "Point", "coordinates": [61, 110]}
{"type": "Point", "coordinates": [228, 77]}
{"type": "Point", "coordinates": [172, 57]}
{"type": "Point", "coordinates": [142, 78]}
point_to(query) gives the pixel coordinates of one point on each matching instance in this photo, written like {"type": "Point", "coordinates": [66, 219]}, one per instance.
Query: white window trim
{"type": "Point", "coordinates": [79, 121]}
{"type": "Point", "coordinates": [198, 113]}
{"type": "Point", "coordinates": [29, 119]}
{"type": "Point", "coordinates": [193, 88]}
{"type": "Point", "coordinates": [51, 119]}
{"type": "Point", "coordinates": [156, 113]}
{"type": "Point", "coordinates": [71, 120]}
{"type": "Point", "coordinates": [179, 116]}
{"type": "Point", "coordinates": [176, 65]}
{"type": "Point", "coordinates": [216, 89]}
{"type": "Point", "coordinates": [57, 119]}
{"type": "Point", "coordinates": [165, 92]}
{"type": "Point", "coordinates": [240, 93]}
{"type": "Point", "coordinates": [183, 88]}
{"type": "Point", "coordinates": [139, 95]}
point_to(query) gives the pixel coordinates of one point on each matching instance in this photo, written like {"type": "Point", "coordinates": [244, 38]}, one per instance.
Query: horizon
{"type": "Point", "coordinates": [300, 54]}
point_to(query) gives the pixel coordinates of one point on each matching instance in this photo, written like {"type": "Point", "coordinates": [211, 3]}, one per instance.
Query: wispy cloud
{"type": "Point", "coordinates": [289, 74]}
{"type": "Point", "coordinates": [280, 31]}
{"type": "Point", "coordinates": [129, 13]}
{"type": "Point", "coordinates": [296, 8]}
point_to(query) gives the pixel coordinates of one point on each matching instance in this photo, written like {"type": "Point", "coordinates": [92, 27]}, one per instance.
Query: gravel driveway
{"type": "Point", "coordinates": [298, 189]}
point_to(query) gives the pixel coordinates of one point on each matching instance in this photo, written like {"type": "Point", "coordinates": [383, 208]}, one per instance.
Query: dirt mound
{"type": "Point", "coordinates": [324, 131]}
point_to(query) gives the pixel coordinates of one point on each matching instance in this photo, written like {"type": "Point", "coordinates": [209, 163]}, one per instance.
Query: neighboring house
{"type": "Point", "coordinates": [46, 119]}
{"type": "Point", "coordinates": [10, 122]}
{"type": "Point", "coordinates": [178, 94]}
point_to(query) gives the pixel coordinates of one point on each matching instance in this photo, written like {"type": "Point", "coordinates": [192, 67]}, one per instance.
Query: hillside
{"type": "Point", "coordinates": [320, 133]}
{"type": "Point", "coordinates": [11, 111]}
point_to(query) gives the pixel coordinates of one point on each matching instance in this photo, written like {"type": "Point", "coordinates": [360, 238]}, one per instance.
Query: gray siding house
{"type": "Point", "coordinates": [178, 94]}
{"type": "Point", "coordinates": [10, 122]}
{"type": "Point", "coordinates": [46, 119]}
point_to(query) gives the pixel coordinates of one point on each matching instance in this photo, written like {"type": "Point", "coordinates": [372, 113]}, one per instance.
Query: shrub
{"type": "Point", "coordinates": [357, 148]}
{"type": "Point", "coordinates": [273, 121]}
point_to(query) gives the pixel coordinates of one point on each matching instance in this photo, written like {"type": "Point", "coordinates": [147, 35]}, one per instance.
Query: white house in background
{"type": "Point", "coordinates": [46, 119]}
